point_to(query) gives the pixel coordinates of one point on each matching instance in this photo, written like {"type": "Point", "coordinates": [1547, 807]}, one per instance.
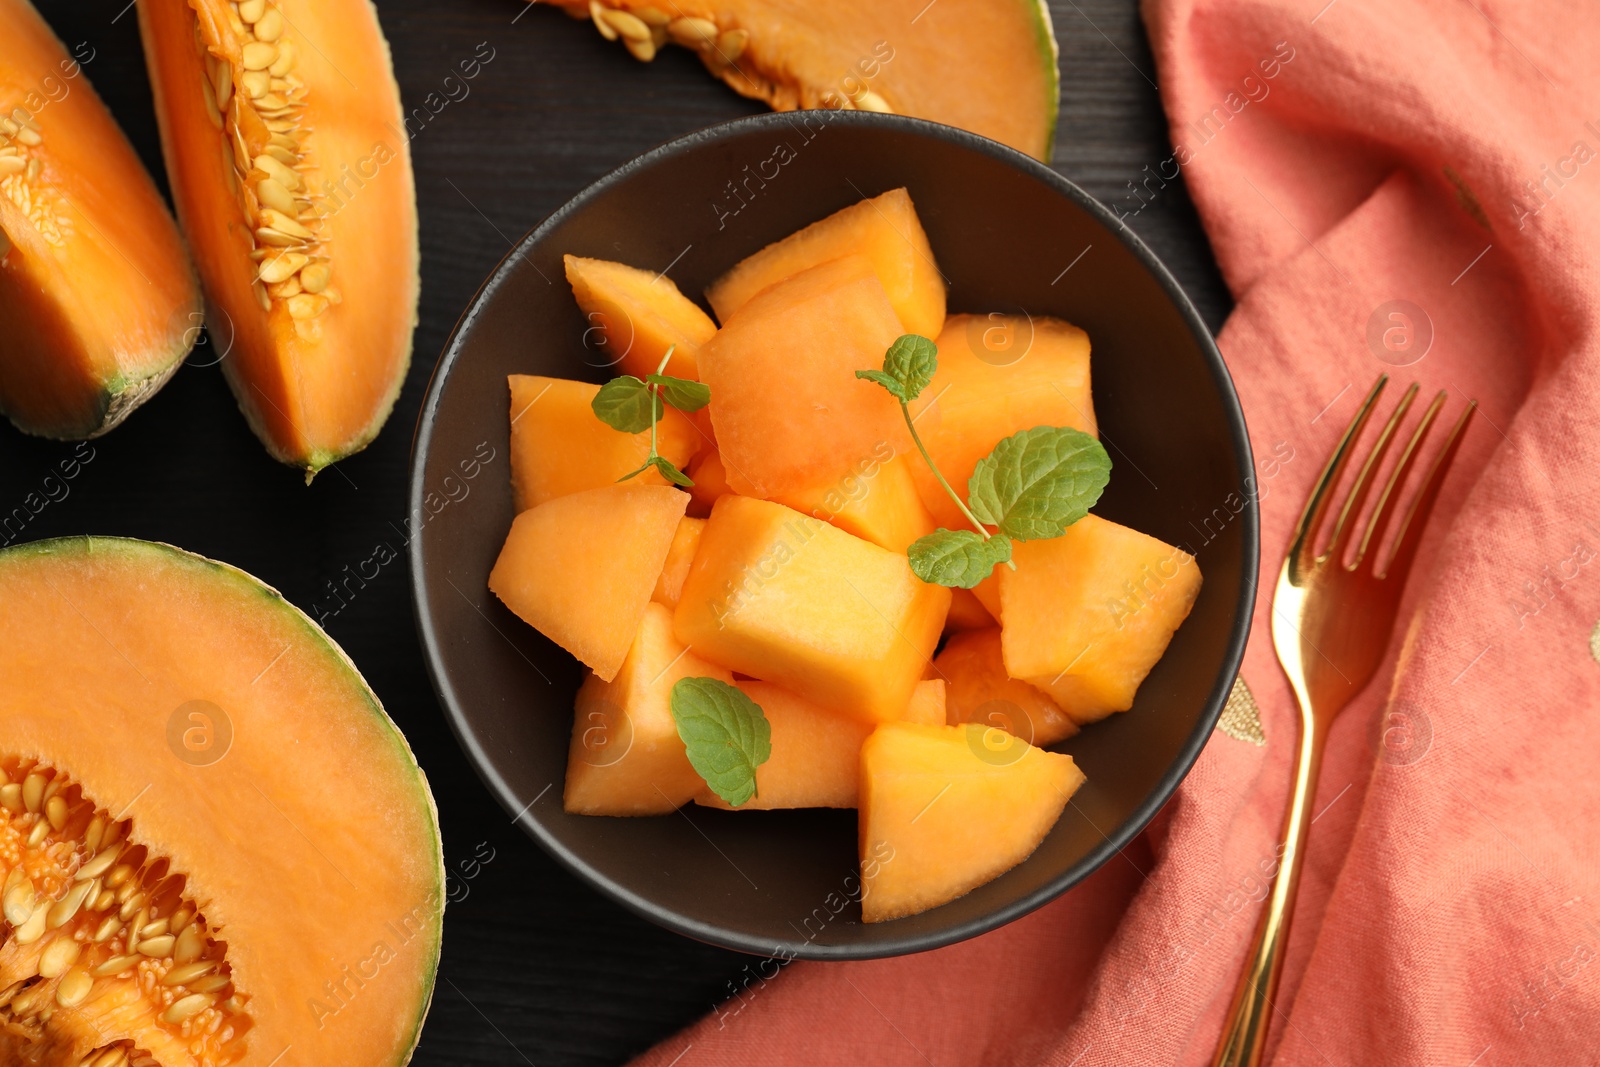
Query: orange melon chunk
{"type": "Point", "coordinates": [944, 811]}
{"type": "Point", "coordinates": [998, 374]}
{"type": "Point", "coordinates": [1086, 615]}
{"type": "Point", "coordinates": [684, 542]}
{"type": "Point", "coordinates": [710, 479]}
{"type": "Point", "coordinates": [639, 315]}
{"type": "Point", "coordinates": [580, 568]}
{"type": "Point", "coordinates": [876, 500]}
{"type": "Point", "coordinates": [980, 691]}
{"type": "Point", "coordinates": [815, 754]}
{"type": "Point", "coordinates": [927, 702]}
{"type": "Point", "coordinates": [786, 598]}
{"type": "Point", "coordinates": [559, 445]}
{"type": "Point", "coordinates": [788, 410]}
{"type": "Point", "coordinates": [967, 611]}
{"type": "Point", "coordinates": [884, 228]}
{"type": "Point", "coordinates": [626, 756]}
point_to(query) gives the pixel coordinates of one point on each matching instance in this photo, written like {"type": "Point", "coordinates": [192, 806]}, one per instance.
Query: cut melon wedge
{"type": "Point", "coordinates": [815, 754]}
{"type": "Point", "coordinates": [669, 585]}
{"type": "Point", "coordinates": [290, 163]}
{"type": "Point", "coordinates": [980, 691]}
{"type": "Point", "coordinates": [639, 316]}
{"type": "Point", "coordinates": [988, 66]}
{"type": "Point", "coordinates": [89, 333]}
{"type": "Point", "coordinates": [187, 756]}
{"type": "Point", "coordinates": [944, 810]}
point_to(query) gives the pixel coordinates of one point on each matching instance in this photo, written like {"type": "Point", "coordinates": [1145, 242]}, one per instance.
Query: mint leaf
{"type": "Point", "coordinates": [626, 404]}
{"type": "Point", "coordinates": [725, 734]}
{"type": "Point", "coordinates": [669, 472]}
{"type": "Point", "coordinates": [636, 471]}
{"type": "Point", "coordinates": [884, 379]}
{"type": "Point", "coordinates": [908, 367]}
{"type": "Point", "coordinates": [682, 393]}
{"type": "Point", "coordinates": [957, 558]}
{"type": "Point", "coordinates": [1036, 483]}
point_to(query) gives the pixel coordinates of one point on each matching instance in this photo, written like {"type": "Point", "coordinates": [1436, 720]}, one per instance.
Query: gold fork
{"type": "Point", "coordinates": [1331, 624]}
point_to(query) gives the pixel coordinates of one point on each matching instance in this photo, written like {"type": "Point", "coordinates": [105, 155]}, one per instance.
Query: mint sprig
{"type": "Point", "coordinates": [630, 405]}
{"type": "Point", "coordinates": [957, 558]}
{"type": "Point", "coordinates": [724, 732]}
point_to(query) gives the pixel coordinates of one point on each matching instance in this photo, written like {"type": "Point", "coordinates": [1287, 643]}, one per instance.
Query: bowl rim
{"type": "Point", "coordinates": [458, 717]}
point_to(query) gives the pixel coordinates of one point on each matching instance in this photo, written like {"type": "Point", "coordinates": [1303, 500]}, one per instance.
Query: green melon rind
{"type": "Point", "coordinates": [1050, 51]}
{"type": "Point", "coordinates": [83, 546]}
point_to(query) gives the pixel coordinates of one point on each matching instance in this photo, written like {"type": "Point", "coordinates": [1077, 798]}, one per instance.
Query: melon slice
{"type": "Point", "coordinates": [884, 228]}
{"type": "Point", "coordinates": [988, 66]}
{"type": "Point", "coordinates": [685, 540]}
{"type": "Point", "coordinates": [780, 596]}
{"type": "Point", "coordinates": [626, 756]}
{"type": "Point", "coordinates": [967, 612]}
{"type": "Point", "coordinates": [815, 754]}
{"type": "Point", "coordinates": [877, 501]}
{"type": "Point", "coordinates": [998, 374]}
{"type": "Point", "coordinates": [581, 568]}
{"type": "Point", "coordinates": [216, 845]}
{"type": "Point", "coordinates": [290, 163]}
{"type": "Point", "coordinates": [979, 690]}
{"type": "Point", "coordinates": [944, 811]}
{"type": "Point", "coordinates": [1086, 615]}
{"type": "Point", "coordinates": [639, 315]}
{"type": "Point", "coordinates": [559, 445]}
{"type": "Point", "coordinates": [788, 409]}
{"type": "Point", "coordinates": [710, 481]}
{"type": "Point", "coordinates": [89, 333]}
{"type": "Point", "coordinates": [927, 703]}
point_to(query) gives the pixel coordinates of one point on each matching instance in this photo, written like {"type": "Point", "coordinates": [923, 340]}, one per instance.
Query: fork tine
{"type": "Point", "coordinates": [1345, 526]}
{"type": "Point", "coordinates": [1416, 520]}
{"type": "Point", "coordinates": [1388, 501]}
{"type": "Point", "coordinates": [1305, 531]}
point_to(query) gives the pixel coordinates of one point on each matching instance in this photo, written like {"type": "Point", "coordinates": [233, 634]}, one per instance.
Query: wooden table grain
{"type": "Point", "coordinates": [537, 968]}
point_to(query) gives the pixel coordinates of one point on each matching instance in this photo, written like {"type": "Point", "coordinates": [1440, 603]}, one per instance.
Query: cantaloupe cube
{"type": "Point", "coordinates": [967, 612]}
{"type": "Point", "coordinates": [876, 500]}
{"type": "Point", "coordinates": [1087, 614]}
{"type": "Point", "coordinates": [997, 375]}
{"type": "Point", "coordinates": [639, 314]}
{"type": "Point", "coordinates": [580, 568]}
{"type": "Point", "coordinates": [559, 446]}
{"type": "Point", "coordinates": [684, 542]}
{"type": "Point", "coordinates": [927, 703]}
{"type": "Point", "coordinates": [626, 757]}
{"type": "Point", "coordinates": [987, 593]}
{"type": "Point", "coordinates": [884, 228]}
{"type": "Point", "coordinates": [788, 409]}
{"type": "Point", "coordinates": [786, 598]}
{"type": "Point", "coordinates": [943, 811]}
{"type": "Point", "coordinates": [979, 690]}
{"type": "Point", "coordinates": [710, 480]}
{"type": "Point", "coordinates": [816, 754]}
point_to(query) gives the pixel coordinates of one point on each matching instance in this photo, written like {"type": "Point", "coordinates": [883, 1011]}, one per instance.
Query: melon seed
{"type": "Point", "coordinates": [29, 137]}
{"type": "Point", "coordinates": [189, 1006]}
{"type": "Point", "coordinates": [74, 988]}
{"type": "Point", "coordinates": [33, 929]}
{"type": "Point", "coordinates": [269, 27]}
{"type": "Point", "coordinates": [11, 795]}
{"type": "Point", "coordinates": [731, 43]}
{"type": "Point", "coordinates": [258, 55]}
{"type": "Point", "coordinates": [252, 10]}
{"type": "Point", "coordinates": [307, 306]}
{"type": "Point", "coordinates": [285, 61]}
{"type": "Point", "coordinates": [695, 33]}
{"type": "Point", "coordinates": [97, 866]}
{"type": "Point", "coordinates": [209, 984]}
{"type": "Point", "coordinates": [281, 267]}
{"type": "Point", "coordinates": [159, 947]}
{"type": "Point", "coordinates": [57, 956]}
{"type": "Point", "coordinates": [644, 51]}
{"type": "Point", "coordinates": [314, 279]}
{"type": "Point", "coordinates": [115, 965]}
{"type": "Point", "coordinates": [55, 809]}
{"type": "Point", "coordinates": [272, 193]}
{"type": "Point", "coordinates": [283, 223]}
{"type": "Point", "coordinates": [33, 785]}
{"type": "Point", "coordinates": [628, 25]}
{"type": "Point", "coordinates": [19, 900]}
{"type": "Point", "coordinates": [185, 973]}
{"type": "Point", "coordinates": [871, 101]}
{"type": "Point", "coordinates": [64, 909]}
{"type": "Point", "coordinates": [257, 83]}
{"type": "Point", "coordinates": [273, 169]}
{"type": "Point", "coordinates": [597, 13]}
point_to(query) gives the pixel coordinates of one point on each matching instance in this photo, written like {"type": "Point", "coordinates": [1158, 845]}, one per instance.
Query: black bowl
{"type": "Point", "coordinates": [1009, 233]}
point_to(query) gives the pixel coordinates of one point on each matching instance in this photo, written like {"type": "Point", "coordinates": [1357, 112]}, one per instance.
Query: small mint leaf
{"type": "Point", "coordinates": [957, 558]}
{"type": "Point", "coordinates": [1037, 482]}
{"type": "Point", "coordinates": [725, 734]}
{"type": "Point", "coordinates": [669, 472]}
{"type": "Point", "coordinates": [886, 380]}
{"type": "Point", "coordinates": [682, 393]}
{"type": "Point", "coordinates": [626, 404]}
{"type": "Point", "coordinates": [635, 472]}
{"type": "Point", "coordinates": [911, 361]}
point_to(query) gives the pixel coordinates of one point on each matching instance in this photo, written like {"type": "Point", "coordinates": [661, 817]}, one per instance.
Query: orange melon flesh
{"type": "Point", "coordinates": [626, 757]}
{"type": "Point", "coordinates": [967, 612]}
{"type": "Point", "coordinates": [314, 388]}
{"type": "Point", "coordinates": [877, 501]}
{"type": "Point", "coordinates": [710, 479]}
{"type": "Point", "coordinates": [788, 409]}
{"type": "Point", "coordinates": [228, 742]}
{"type": "Point", "coordinates": [885, 229]}
{"type": "Point", "coordinates": [988, 66]}
{"type": "Point", "coordinates": [950, 812]}
{"type": "Point", "coordinates": [987, 594]}
{"type": "Point", "coordinates": [786, 598]}
{"type": "Point", "coordinates": [581, 568]}
{"type": "Point", "coordinates": [89, 333]}
{"type": "Point", "coordinates": [685, 540]}
{"type": "Point", "coordinates": [559, 445]}
{"type": "Point", "coordinates": [1086, 615]}
{"type": "Point", "coordinates": [640, 315]}
{"type": "Point", "coordinates": [927, 703]}
{"type": "Point", "coordinates": [979, 690]}
{"type": "Point", "coordinates": [997, 375]}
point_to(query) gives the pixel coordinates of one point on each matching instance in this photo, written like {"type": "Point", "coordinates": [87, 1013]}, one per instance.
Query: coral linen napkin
{"type": "Point", "coordinates": [1396, 184]}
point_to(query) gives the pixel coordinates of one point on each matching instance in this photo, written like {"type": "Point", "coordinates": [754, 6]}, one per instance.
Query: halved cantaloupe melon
{"type": "Point", "coordinates": [90, 333]}
{"type": "Point", "coordinates": [988, 66]}
{"type": "Point", "coordinates": [215, 847]}
{"type": "Point", "coordinates": [581, 568]}
{"type": "Point", "coordinates": [786, 598]}
{"type": "Point", "coordinates": [979, 690]}
{"type": "Point", "coordinates": [998, 374]}
{"type": "Point", "coordinates": [559, 445]}
{"type": "Point", "coordinates": [290, 163]}
{"type": "Point", "coordinates": [885, 229]}
{"type": "Point", "coordinates": [1088, 614]}
{"type": "Point", "coordinates": [626, 756]}
{"type": "Point", "coordinates": [638, 316]}
{"type": "Point", "coordinates": [877, 501]}
{"type": "Point", "coordinates": [685, 541]}
{"type": "Point", "coordinates": [943, 812]}
{"type": "Point", "coordinates": [788, 409]}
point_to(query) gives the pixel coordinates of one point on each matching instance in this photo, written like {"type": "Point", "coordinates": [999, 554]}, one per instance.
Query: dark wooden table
{"type": "Point", "coordinates": [537, 967]}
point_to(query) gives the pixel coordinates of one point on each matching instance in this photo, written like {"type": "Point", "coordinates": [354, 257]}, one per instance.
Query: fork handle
{"type": "Point", "coordinates": [1244, 1034]}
